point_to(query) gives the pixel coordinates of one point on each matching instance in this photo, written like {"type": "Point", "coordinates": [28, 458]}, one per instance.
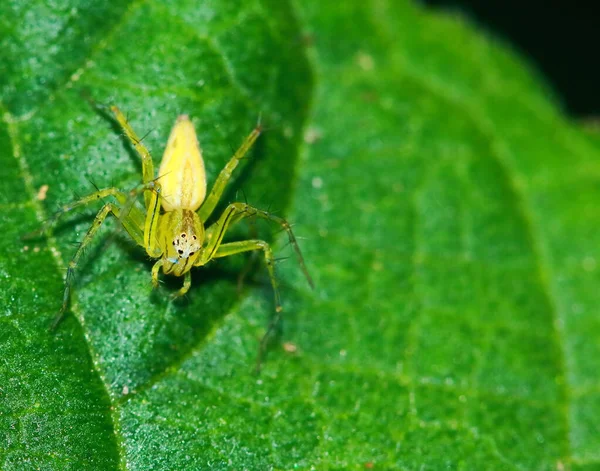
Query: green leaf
{"type": "Point", "coordinates": [449, 214]}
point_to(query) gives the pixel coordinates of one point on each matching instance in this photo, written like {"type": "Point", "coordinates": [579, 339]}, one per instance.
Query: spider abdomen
{"type": "Point", "coordinates": [181, 174]}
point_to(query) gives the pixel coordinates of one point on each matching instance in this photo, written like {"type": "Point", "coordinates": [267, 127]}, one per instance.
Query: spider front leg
{"type": "Point", "coordinates": [147, 165]}
{"type": "Point", "coordinates": [155, 270]}
{"type": "Point", "coordinates": [99, 219]}
{"type": "Point", "coordinates": [217, 190]}
{"type": "Point", "coordinates": [150, 221]}
{"type": "Point", "coordinates": [187, 282]}
{"type": "Point", "coordinates": [234, 213]}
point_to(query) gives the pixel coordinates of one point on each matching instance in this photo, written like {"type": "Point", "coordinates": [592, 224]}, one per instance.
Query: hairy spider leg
{"type": "Point", "coordinates": [221, 182]}
{"type": "Point", "coordinates": [187, 283]}
{"type": "Point", "coordinates": [91, 198]}
{"type": "Point", "coordinates": [138, 226]}
{"type": "Point", "coordinates": [150, 221]}
{"type": "Point", "coordinates": [107, 209]}
{"type": "Point", "coordinates": [147, 165]}
{"type": "Point", "coordinates": [250, 263]}
{"type": "Point", "coordinates": [236, 212]}
{"type": "Point", "coordinates": [155, 270]}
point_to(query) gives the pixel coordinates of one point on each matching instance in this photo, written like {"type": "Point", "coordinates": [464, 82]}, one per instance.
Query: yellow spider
{"type": "Point", "coordinates": [176, 234]}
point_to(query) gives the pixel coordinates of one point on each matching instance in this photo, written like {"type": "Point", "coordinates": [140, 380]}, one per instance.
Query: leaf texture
{"type": "Point", "coordinates": [448, 214]}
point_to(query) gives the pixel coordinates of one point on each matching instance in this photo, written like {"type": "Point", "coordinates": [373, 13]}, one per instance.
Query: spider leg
{"type": "Point", "coordinates": [217, 190]}
{"type": "Point", "coordinates": [235, 212]}
{"type": "Point", "coordinates": [136, 142]}
{"type": "Point", "coordinates": [250, 262]}
{"type": "Point", "coordinates": [232, 248]}
{"type": "Point", "coordinates": [100, 217]}
{"type": "Point", "coordinates": [187, 282]}
{"type": "Point", "coordinates": [97, 195]}
{"type": "Point", "coordinates": [150, 224]}
{"type": "Point", "coordinates": [155, 269]}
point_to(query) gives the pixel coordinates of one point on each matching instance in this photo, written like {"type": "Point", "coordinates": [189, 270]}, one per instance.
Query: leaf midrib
{"type": "Point", "coordinates": [13, 133]}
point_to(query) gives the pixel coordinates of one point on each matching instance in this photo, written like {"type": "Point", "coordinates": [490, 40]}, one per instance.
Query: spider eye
{"type": "Point", "coordinates": [180, 252]}
{"type": "Point", "coordinates": [183, 236]}
{"type": "Point", "coordinates": [192, 253]}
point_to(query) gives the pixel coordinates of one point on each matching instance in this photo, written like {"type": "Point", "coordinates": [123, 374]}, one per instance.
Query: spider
{"type": "Point", "coordinates": [171, 224]}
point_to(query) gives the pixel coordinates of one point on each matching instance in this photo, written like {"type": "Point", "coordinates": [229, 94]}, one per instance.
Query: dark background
{"type": "Point", "coordinates": [561, 39]}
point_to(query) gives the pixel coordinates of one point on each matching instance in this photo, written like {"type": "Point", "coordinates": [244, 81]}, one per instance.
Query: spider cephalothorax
{"type": "Point", "coordinates": [180, 237]}
{"type": "Point", "coordinates": [186, 245]}
{"type": "Point", "coordinates": [170, 224]}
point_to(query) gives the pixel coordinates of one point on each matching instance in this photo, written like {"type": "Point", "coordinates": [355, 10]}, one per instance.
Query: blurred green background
{"type": "Point", "coordinates": [558, 37]}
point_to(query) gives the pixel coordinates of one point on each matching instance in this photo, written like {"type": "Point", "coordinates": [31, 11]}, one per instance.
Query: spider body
{"type": "Point", "coordinates": [170, 224]}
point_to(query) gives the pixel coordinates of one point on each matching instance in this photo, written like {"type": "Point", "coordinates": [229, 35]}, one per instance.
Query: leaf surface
{"type": "Point", "coordinates": [448, 211]}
